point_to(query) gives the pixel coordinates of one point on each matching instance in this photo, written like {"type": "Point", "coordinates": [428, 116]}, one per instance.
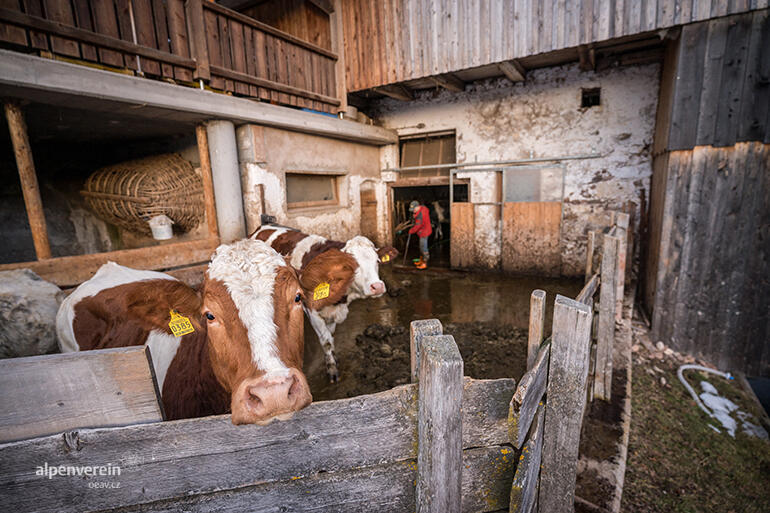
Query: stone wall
{"type": "Point", "coordinates": [542, 117]}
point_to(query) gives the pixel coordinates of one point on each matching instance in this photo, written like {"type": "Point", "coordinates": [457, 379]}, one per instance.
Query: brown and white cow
{"type": "Point", "coordinates": [360, 269]}
{"type": "Point", "coordinates": [245, 354]}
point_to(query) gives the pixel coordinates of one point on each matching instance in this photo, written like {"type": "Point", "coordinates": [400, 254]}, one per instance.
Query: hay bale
{"type": "Point", "coordinates": [129, 194]}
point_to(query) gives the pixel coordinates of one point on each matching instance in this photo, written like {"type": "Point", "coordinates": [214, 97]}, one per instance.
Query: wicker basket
{"type": "Point", "coordinates": [130, 193]}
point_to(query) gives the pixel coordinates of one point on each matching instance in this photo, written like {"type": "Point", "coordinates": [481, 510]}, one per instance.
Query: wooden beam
{"type": "Point", "coordinates": [104, 388]}
{"type": "Point", "coordinates": [513, 70]}
{"type": "Point", "coordinates": [29, 186]}
{"type": "Point", "coordinates": [418, 330]}
{"type": "Point", "coordinates": [587, 57]}
{"type": "Point", "coordinates": [194, 11]}
{"type": "Point", "coordinates": [523, 405]}
{"type": "Point", "coordinates": [73, 270]}
{"type": "Point", "coordinates": [336, 29]}
{"type": "Point", "coordinates": [396, 91]}
{"type": "Point", "coordinates": [326, 6]}
{"type": "Point", "coordinates": [449, 82]}
{"type": "Point", "coordinates": [208, 182]}
{"type": "Point", "coordinates": [607, 307]}
{"type": "Point", "coordinates": [269, 84]}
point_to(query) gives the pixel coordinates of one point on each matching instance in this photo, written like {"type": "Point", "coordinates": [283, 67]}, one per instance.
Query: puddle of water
{"type": "Point", "coordinates": [450, 297]}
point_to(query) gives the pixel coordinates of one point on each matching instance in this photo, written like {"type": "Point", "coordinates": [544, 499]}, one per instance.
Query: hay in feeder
{"type": "Point", "coordinates": [129, 194]}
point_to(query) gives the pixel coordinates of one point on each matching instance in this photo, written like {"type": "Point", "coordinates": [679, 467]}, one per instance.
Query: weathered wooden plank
{"type": "Point", "coordinates": [161, 29]}
{"type": "Point", "coordinates": [622, 222]}
{"type": "Point", "coordinates": [82, 13]}
{"type": "Point", "coordinates": [122, 11]}
{"type": "Point", "coordinates": [712, 77]}
{"type": "Point", "coordinates": [524, 486]}
{"type": "Point", "coordinates": [531, 237]}
{"type": "Point", "coordinates": [417, 331]}
{"type": "Point", "coordinates": [536, 325]}
{"type": "Point", "coordinates": [60, 11]}
{"type": "Point", "coordinates": [525, 400]}
{"type": "Point", "coordinates": [756, 93]}
{"type": "Point", "coordinates": [10, 33]}
{"type": "Point", "coordinates": [145, 33]}
{"type": "Point", "coordinates": [731, 86]}
{"type": "Point", "coordinates": [486, 411]}
{"type": "Point", "coordinates": [439, 453]}
{"type": "Point", "coordinates": [111, 387]}
{"type": "Point", "coordinates": [607, 308]}
{"type": "Point", "coordinates": [462, 235]}
{"type": "Point", "coordinates": [591, 241]}
{"type": "Point", "coordinates": [689, 85]}
{"type": "Point", "coordinates": [586, 294]}
{"type": "Point", "coordinates": [568, 370]}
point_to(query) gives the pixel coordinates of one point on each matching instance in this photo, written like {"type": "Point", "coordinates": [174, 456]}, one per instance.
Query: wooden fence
{"type": "Point", "coordinates": [445, 443]}
{"type": "Point", "coordinates": [181, 41]}
{"type": "Point", "coordinates": [609, 282]}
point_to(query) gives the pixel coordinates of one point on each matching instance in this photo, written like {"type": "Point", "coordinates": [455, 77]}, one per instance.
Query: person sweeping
{"type": "Point", "coordinates": [423, 230]}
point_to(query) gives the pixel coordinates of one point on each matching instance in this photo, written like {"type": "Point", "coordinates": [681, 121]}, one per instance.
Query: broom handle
{"type": "Point", "coordinates": [406, 249]}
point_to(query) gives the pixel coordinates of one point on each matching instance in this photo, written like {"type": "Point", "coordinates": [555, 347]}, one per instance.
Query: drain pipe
{"type": "Point", "coordinates": [226, 173]}
{"type": "Point", "coordinates": [680, 375]}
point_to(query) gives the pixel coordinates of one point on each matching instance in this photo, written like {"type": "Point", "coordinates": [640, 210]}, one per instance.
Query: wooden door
{"type": "Point", "coordinates": [461, 241]}
{"type": "Point", "coordinates": [531, 234]}
{"type": "Point", "coordinates": [369, 213]}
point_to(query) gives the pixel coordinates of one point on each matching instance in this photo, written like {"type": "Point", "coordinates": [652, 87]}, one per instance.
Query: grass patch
{"type": "Point", "coordinates": [676, 462]}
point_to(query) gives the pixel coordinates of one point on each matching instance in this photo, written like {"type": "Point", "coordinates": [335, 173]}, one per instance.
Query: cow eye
{"type": "Point", "coordinates": [210, 316]}
{"type": "Point", "coordinates": [298, 298]}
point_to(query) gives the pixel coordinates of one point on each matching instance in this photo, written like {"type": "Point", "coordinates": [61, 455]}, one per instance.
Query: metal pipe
{"type": "Point", "coordinates": [494, 163]}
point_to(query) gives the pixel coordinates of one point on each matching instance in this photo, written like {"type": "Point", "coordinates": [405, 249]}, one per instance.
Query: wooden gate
{"type": "Point", "coordinates": [461, 240]}
{"type": "Point", "coordinates": [531, 233]}
{"type": "Point", "coordinates": [368, 212]}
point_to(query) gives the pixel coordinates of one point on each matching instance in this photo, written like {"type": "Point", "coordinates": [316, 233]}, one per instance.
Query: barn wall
{"type": "Point", "coordinates": [266, 154]}
{"type": "Point", "coordinates": [420, 38]}
{"type": "Point", "coordinates": [707, 265]}
{"type": "Point", "coordinates": [497, 120]}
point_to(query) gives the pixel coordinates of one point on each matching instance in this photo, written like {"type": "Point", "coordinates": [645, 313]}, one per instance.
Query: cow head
{"type": "Point", "coordinates": [252, 305]}
{"type": "Point", "coordinates": [366, 281]}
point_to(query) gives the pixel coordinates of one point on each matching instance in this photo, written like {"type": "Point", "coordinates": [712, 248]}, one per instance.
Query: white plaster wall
{"type": "Point", "coordinates": [267, 153]}
{"type": "Point", "coordinates": [498, 120]}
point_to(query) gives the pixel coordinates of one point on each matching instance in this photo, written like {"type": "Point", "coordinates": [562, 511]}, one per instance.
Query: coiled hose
{"type": "Point", "coordinates": [680, 375]}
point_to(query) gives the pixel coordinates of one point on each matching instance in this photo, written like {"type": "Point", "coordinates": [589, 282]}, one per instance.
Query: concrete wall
{"type": "Point", "coordinates": [266, 154]}
{"type": "Point", "coordinates": [542, 117]}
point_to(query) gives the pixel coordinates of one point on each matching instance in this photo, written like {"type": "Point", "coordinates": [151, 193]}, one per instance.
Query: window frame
{"type": "Point", "coordinates": [334, 175]}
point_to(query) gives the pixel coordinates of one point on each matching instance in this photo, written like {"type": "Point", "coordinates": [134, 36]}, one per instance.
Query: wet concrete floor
{"type": "Point", "coordinates": [456, 299]}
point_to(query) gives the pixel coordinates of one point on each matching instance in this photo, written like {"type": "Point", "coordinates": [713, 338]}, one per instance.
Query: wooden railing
{"type": "Point", "coordinates": [187, 41]}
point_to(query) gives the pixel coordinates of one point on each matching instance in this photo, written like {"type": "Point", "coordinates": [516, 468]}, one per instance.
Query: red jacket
{"type": "Point", "coordinates": [421, 222]}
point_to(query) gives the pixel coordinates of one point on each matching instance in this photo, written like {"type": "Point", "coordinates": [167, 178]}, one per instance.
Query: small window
{"type": "Point", "coordinates": [311, 190]}
{"type": "Point", "coordinates": [591, 97]}
{"type": "Point", "coordinates": [421, 150]}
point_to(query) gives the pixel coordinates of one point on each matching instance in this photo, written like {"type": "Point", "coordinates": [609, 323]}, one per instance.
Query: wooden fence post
{"type": "Point", "coordinates": [29, 185]}
{"type": "Point", "coordinates": [606, 327]}
{"type": "Point", "coordinates": [536, 325]}
{"type": "Point", "coordinates": [439, 455]}
{"type": "Point", "coordinates": [418, 330]}
{"type": "Point", "coordinates": [198, 48]}
{"type": "Point", "coordinates": [208, 182]}
{"type": "Point", "coordinates": [590, 255]}
{"type": "Point", "coordinates": [623, 220]}
{"type": "Point", "coordinates": [566, 399]}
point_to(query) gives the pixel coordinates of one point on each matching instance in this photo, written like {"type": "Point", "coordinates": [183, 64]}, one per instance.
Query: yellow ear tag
{"type": "Point", "coordinates": [321, 291]}
{"type": "Point", "coordinates": [386, 258]}
{"type": "Point", "coordinates": [180, 325]}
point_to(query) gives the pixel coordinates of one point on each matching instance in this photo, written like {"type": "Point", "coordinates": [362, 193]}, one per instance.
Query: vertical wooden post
{"type": "Point", "coordinates": [622, 222]}
{"type": "Point", "coordinates": [29, 186]}
{"type": "Point", "coordinates": [338, 47]}
{"type": "Point", "coordinates": [566, 392]}
{"type": "Point", "coordinates": [590, 254]}
{"type": "Point", "coordinates": [208, 182]}
{"type": "Point", "coordinates": [418, 330]}
{"type": "Point", "coordinates": [198, 48]}
{"type": "Point", "coordinates": [536, 325]}
{"type": "Point", "coordinates": [440, 454]}
{"type": "Point", "coordinates": [606, 328]}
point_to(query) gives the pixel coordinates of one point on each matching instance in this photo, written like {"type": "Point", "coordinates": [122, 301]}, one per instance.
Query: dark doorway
{"type": "Point", "coordinates": [436, 198]}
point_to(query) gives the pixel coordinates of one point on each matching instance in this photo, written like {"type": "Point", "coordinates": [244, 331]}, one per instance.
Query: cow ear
{"type": "Point", "coordinates": [326, 278]}
{"type": "Point", "coordinates": [387, 254]}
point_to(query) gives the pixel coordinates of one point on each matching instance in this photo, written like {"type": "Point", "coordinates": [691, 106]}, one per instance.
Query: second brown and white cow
{"type": "Point", "coordinates": [361, 269]}
{"type": "Point", "coordinates": [245, 353]}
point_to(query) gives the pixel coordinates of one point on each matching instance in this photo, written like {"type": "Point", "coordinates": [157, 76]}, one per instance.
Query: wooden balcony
{"type": "Point", "coordinates": [191, 43]}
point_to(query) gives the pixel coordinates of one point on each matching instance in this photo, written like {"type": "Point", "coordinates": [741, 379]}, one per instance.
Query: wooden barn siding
{"type": "Point", "coordinates": [711, 295]}
{"type": "Point", "coordinates": [299, 18]}
{"type": "Point", "coordinates": [390, 41]}
{"type": "Point", "coordinates": [722, 89]}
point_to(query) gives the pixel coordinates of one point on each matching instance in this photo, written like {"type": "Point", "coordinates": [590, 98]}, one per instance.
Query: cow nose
{"type": "Point", "coordinates": [267, 398]}
{"type": "Point", "coordinates": [377, 288]}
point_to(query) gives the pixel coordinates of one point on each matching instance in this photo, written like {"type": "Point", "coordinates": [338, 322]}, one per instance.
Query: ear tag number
{"type": "Point", "coordinates": [180, 325]}
{"type": "Point", "coordinates": [386, 258]}
{"type": "Point", "coordinates": [321, 291]}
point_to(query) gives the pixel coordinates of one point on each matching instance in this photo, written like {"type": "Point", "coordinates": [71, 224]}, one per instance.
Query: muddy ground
{"type": "Point", "coordinates": [487, 313]}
